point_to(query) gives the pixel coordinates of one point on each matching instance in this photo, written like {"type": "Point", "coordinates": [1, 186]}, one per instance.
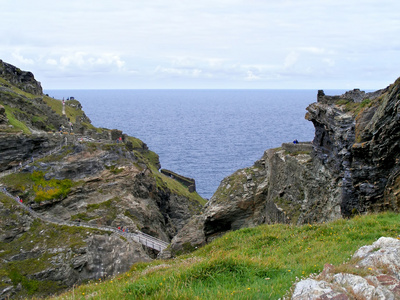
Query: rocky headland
{"type": "Point", "coordinates": [66, 170]}
{"type": "Point", "coordinates": [76, 182]}
{"type": "Point", "coordinates": [351, 167]}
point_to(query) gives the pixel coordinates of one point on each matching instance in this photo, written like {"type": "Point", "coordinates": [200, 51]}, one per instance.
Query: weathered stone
{"type": "Point", "coordinates": [22, 79]}
{"type": "Point", "coordinates": [381, 258]}
{"type": "Point", "coordinates": [115, 185]}
{"type": "Point", "coordinates": [351, 167]}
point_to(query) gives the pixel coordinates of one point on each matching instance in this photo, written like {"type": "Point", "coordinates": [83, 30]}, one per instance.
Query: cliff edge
{"type": "Point", "coordinates": [96, 185]}
{"type": "Point", "coordinates": [351, 167]}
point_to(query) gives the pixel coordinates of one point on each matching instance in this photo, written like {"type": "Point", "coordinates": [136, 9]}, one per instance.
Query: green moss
{"type": "Point", "coordinates": [82, 217]}
{"type": "Point", "coordinates": [103, 205]}
{"type": "Point", "coordinates": [57, 157]}
{"type": "Point", "coordinates": [37, 186]}
{"type": "Point", "coordinates": [34, 287]}
{"type": "Point", "coordinates": [234, 185]}
{"type": "Point", "coordinates": [108, 210]}
{"type": "Point", "coordinates": [356, 107]}
{"type": "Point", "coordinates": [114, 169]}
{"type": "Point", "coordinates": [50, 189]}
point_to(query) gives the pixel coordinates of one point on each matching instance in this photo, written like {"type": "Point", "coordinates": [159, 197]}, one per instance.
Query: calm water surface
{"type": "Point", "coordinates": [203, 134]}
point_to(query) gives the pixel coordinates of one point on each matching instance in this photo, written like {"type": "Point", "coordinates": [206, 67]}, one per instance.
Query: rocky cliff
{"type": "Point", "coordinates": [351, 167]}
{"type": "Point", "coordinates": [12, 76]}
{"type": "Point", "coordinates": [65, 169]}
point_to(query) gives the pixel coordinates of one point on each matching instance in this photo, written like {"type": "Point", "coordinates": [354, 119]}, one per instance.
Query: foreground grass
{"type": "Point", "coordinates": [257, 263]}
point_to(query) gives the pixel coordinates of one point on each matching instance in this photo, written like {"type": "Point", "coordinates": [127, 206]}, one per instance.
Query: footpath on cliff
{"type": "Point", "coordinates": [70, 173]}
{"type": "Point", "coordinates": [351, 168]}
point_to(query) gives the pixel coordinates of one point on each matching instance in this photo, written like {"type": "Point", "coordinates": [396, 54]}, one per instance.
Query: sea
{"type": "Point", "coordinates": [202, 134]}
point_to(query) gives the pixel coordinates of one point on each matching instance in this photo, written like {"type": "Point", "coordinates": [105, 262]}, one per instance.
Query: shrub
{"type": "Point", "coordinates": [50, 189]}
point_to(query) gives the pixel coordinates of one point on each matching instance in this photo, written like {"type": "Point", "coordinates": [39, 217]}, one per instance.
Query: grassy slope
{"type": "Point", "coordinates": [257, 263]}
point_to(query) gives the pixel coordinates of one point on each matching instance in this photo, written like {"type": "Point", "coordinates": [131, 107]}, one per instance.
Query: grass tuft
{"type": "Point", "coordinates": [251, 263]}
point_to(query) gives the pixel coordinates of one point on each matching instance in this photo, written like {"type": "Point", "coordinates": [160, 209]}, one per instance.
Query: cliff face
{"type": "Point", "coordinates": [38, 258]}
{"type": "Point", "coordinates": [360, 143]}
{"type": "Point", "coordinates": [21, 79]}
{"type": "Point", "coordinates": [351, 167]}
{"type": "Point", "coordinates": [80, 174]}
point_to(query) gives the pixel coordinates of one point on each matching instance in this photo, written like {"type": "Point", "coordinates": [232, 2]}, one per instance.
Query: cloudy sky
{"type": "Point", "coordinates": [132, 44]}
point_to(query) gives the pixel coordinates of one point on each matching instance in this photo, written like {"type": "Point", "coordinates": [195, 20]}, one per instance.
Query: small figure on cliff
{"type": "Point", "coordinates": [295, 141]}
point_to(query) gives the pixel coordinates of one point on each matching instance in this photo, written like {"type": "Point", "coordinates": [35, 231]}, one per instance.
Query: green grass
{"type": "Point", "coordinates": [257, 263]}
{"type": "Point", "coordinates": [12, 120]}
{"type": "Point", "coordinates": [165, 182]}
{"type": "Point", "coordinates": [15, 89]}
{"type": "Point", "coordinates": [355, 107]}
{"type": "Point", "coordinates": [56, 106]}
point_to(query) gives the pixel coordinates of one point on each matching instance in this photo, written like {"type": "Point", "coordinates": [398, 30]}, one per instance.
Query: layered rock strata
{"type": "Point", "coordinates": [65, 169]}
{"type": "Point", "coordinates": [351, 167]}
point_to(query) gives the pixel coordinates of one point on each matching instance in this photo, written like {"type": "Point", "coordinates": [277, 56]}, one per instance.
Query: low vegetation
{"type": "Point", "coordinates": [165, 182]}
{"type": "Point", "coordinates": [256, 263]}
{"type": "Point", "coordinates": [12, 120]}
{"type": "Point", "coordinates": [35, 186]}
{"type": "Point", "coordinates": [39, 239]}
{"type": "Point", "coordinates": [355, 107]}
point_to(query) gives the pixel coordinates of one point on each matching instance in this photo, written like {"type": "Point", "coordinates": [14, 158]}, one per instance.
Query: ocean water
{"type": "Point", "coordinates": [202, 134]}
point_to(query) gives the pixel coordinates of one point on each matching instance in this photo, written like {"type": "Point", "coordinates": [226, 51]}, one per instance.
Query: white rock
{"type": "Point", "coordinates": [310, 289]}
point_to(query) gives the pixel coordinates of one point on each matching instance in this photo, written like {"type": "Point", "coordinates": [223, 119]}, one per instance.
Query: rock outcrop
{"type": "Point", "coordinates": [351, 167]}
{"type": "Point", "coordinates": [69, 170]}
{"type": "Point", "coordinates": [21, 79]}
{"type": "Point", "coordinates": [371, 274]}
{"type": "Point", "coordinates": [3, 117]}
{"type": "Point", "coordinates": [37, 254]}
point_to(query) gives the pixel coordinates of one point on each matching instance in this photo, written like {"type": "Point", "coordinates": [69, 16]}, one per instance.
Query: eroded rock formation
{"type": "Point", "coordinates": [93, 176]}
{"type": "Point", "coordinates": [351, 167]}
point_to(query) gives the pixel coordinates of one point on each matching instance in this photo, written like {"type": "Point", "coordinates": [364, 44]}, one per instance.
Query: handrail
{"type": "Point", "coordinates": [137, 236]}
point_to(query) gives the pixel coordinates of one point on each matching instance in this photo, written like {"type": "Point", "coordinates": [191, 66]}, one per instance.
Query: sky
{"type": "Point", "coordinates": [206, 44]}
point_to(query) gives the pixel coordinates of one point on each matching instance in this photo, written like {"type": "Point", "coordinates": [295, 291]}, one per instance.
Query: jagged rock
{"type": "Point", "coordinates": [351, 167]}
{"type": "Point", "coordinates": [190, 237]}
{"type": "Point", "coordinates": [22, 79]}
{"type": "Point", "coordinates": [103, 183]}
{"type": "Point", "coordinates": [381, 260]}
{"type": "Point", "coordinates": [361, 149]}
